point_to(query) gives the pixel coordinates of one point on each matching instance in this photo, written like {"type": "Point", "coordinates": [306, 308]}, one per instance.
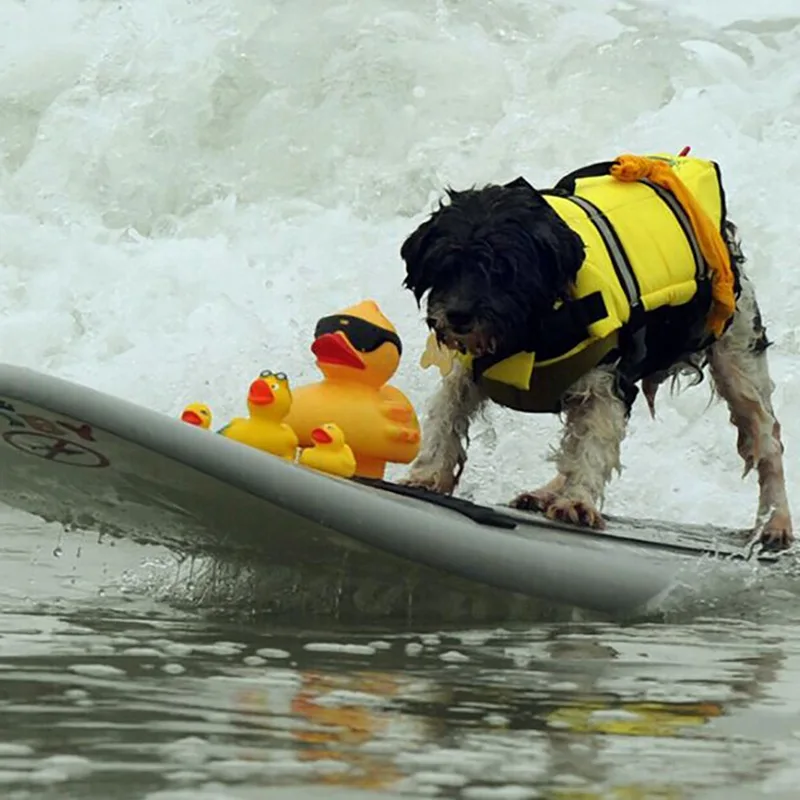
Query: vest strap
{"type": "Point", "coordinates": [683, 220]}
{"type": "Point", "coordinates": [559, 331]}
{"type": "Point", "coordinates": [566, 326]}
{"type": "Point", "coordinates": [634, 339]}
{"type": "Point", "coordinates": [616, 251]}
{"type": "Point", "coordinates": [567, 184]}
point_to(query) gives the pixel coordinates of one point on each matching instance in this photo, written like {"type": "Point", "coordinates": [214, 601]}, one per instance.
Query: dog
{"type": "Point", "coordinates": [497, 265]}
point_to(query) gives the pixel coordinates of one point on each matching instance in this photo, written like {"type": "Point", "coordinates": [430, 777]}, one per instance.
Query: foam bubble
{"type": "Point", "coordinates": [97, 670]}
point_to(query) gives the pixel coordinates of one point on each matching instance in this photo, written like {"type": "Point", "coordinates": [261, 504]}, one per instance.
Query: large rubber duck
{"type": "Point", "coordinates": [268, 401]}
{"type": "Point", "coordinates": [329, 453]}
{"type": "Point", "coordinates": [357, 351]}
{"type": "Point", "coordinates": [198, 414]}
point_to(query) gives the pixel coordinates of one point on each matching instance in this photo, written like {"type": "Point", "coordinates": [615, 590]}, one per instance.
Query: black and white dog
{"type": "Point", "coordinates": [491, 262]}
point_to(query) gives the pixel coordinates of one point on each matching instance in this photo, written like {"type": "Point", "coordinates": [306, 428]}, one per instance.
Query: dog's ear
{"type": "Point", "coordinates": [413, 251]}
{"type": "Point", "coordinates": [559, 246]}
{"type": "Point", "coordinates": [544, 253]}
{"type": "Point", "coordinates": [561, 250]}
{"type": "Point", "coordinates": [424, 251]}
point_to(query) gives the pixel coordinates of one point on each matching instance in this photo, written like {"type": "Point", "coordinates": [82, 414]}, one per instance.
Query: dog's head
{"type": "Point", "coordinates": [491, 261]}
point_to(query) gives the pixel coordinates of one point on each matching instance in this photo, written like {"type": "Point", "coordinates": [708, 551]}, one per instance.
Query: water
{"type": "Point", "coordinates": [185, 187]}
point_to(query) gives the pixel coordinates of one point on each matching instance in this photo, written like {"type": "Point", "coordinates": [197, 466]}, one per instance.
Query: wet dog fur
{"type": "Point", "coordinates": [490, 262]}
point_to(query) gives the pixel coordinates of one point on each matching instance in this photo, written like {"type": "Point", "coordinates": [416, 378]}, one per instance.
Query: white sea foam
{"type": "Point", "coordinates": [186, 187]}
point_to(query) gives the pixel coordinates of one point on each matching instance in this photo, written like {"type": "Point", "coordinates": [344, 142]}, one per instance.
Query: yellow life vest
{"type": "Point", "coordinates": [652, 230]}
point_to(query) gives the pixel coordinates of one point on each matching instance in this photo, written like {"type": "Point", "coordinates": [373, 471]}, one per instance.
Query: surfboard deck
{"type": "Point", "coordinates": [92, 461]}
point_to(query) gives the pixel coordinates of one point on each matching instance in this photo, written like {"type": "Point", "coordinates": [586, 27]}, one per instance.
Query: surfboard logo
{"type": "Point", "coordinates": [53, 440]}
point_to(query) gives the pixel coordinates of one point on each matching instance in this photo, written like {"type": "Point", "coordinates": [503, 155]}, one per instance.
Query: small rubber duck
{"type": "Point", "coordinates": [198, 414]}
{"type": "Point", "coordinates": [357, 351]}
{"type": "Point", "coordinates": [268, 401]}
{"type": "Point", "coordinates": [329, 453]}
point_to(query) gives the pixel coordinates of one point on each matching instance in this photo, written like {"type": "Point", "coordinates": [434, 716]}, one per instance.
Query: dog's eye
{"type": "Point", "coordinates": [458, 318]}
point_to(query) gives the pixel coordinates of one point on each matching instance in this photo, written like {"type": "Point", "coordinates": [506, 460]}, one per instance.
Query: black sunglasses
{"type": "Point", "coordinates": [363, 335]}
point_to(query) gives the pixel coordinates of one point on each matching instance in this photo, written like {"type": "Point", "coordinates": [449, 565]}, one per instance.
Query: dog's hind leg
{"type": "Point", "coordinates": [445, 433]}
{"type": "Point", "coordinates": [738, 365]}
{"type": "Point", "coordinates": [595, 420]}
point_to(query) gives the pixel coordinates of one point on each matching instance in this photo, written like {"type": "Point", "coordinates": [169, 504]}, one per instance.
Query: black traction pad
{"type": "Point", "coordinates": [734, 543]}
{"type": "Point", "coordinates": [483, 515]}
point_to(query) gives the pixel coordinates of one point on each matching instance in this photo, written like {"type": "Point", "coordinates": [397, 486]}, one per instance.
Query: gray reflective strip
{"type": "Point", "coordinates": [685, 223]}
{"type": "Point", "coordinates": [618, 256]}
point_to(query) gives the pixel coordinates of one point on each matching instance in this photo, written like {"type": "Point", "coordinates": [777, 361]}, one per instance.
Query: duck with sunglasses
{"type": "Point", "coordinates": [358, 351]}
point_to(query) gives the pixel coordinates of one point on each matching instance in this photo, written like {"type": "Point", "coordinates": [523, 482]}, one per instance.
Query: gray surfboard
{"type": "Point", "coordinates": [92, 461]}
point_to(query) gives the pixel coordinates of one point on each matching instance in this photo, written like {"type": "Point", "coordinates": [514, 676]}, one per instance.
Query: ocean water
{"type": "Point", "coordinates": [186, 186]}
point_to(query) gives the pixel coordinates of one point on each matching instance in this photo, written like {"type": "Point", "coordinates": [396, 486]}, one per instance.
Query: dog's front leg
{"type": "Point", "coordinates": [595, 420]}
{"type": "Point", "coordinates": [445, 433]}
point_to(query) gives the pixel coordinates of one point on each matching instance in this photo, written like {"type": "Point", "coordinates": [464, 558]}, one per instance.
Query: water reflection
{"type": "Point", "coordinates": [574, 711]}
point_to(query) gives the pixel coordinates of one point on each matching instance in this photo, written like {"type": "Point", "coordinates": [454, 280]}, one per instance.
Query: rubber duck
{"type": "Point", "coordinates": [358, 350]}
{"type": "Point", "coordinates": [198, 414]}
{"type": "Point", "coordinates": [268, 401]}
{"type": "Point", "coordinates": [329, 453]}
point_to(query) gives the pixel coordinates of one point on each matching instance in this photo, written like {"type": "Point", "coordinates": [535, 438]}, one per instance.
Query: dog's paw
{"type": "Point", "coordinates": [578, 512]}
{"type": "Point", "coordinates": [537, 500]}
{"type": "Point", "coordinates": [560, 507]}
{"type": "Point", "coordinates": [540, 499]}
{"type": "Point", "coordinates": [440, 482]}
{"type": "Point", "coordinates": [777, 533]}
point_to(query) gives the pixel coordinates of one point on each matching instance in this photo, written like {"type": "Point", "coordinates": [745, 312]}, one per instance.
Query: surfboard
{"type": "Point", "coordinates": [92, 461]}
